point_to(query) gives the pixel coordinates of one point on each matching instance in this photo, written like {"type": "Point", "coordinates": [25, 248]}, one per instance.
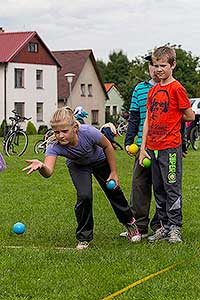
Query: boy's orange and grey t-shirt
{"type": "Point", "coordinates": [164, 107]}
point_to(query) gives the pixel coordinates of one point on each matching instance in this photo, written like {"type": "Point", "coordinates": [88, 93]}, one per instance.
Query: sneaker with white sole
{"type": "Point", "coordinates": [133, 233]}
{"type": "Point", "coordinates": [160, 234]}
{"type": "Point", "coordinates": [125, 234]}
{"type": "Point", "coordinates": [174, 235]}
{"type": "Point", "coordinates": [82, 245]}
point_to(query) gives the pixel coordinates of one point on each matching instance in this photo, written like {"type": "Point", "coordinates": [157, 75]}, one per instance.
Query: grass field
{"type": "Point", "coordinates": [43, 264]}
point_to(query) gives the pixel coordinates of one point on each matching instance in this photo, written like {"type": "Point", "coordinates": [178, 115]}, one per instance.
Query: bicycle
{"type": "Point", "coordinates": [110, 132]}
{"type": "Point", "coordinates": [41, 145]}
{"type": "Point", "coordinates": [15, 141]}
{"type": "Point", "coordinates": [193, 133]}
{"type": "Point", "coordinates": [122, 127]}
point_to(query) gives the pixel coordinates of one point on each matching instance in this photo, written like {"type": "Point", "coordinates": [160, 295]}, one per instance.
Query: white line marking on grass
{"type": "Point", "coordinates": [148, 277]}
{"type": "Point", "coordinates": [35, 248]}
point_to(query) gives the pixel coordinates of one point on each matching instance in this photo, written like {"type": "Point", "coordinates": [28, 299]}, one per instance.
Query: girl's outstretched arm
{"type": "Point", "coordinates": [45, 168]}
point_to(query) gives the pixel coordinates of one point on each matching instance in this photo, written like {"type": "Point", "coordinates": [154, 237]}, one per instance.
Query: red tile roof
{"type": "Point", "coordinates": [108, 86]}
{"type": "Point", "coordinates": [12, 42]}
{"type": "Point", "coordinates": [73, 61]}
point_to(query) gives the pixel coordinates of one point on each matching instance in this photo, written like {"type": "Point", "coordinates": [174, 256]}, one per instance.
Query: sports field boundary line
{"type": "Point", "coordinates": [140, 281]}
{"type": "Point", "coordinates": [36, 248]}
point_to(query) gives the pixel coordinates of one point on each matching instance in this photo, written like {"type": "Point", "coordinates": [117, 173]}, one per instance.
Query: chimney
{"type": "Point", "coordinates": [1, 29]}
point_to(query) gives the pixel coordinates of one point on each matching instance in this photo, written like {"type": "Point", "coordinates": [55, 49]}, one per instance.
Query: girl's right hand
{"type": "Point", "coordinates": [35, 165]}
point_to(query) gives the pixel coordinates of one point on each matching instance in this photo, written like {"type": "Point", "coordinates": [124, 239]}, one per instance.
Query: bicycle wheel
{"type": "Point", "coordinates": [117, 146]}
{"type": "Point", "coordinates": [194, 138]}
{"type": "Point", "coordinates": [16, 143]}
{"type": "Point", "coordinates": [40, 146]}
{"type": "Point", "coordinates": [121, 129]}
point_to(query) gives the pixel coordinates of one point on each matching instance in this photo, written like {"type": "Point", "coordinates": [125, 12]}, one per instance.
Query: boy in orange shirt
{"type": "Point", "coordinates": [167, 106]}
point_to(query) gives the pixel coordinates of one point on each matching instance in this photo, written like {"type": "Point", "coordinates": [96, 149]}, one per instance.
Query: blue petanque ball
{"type": "Point", "coordinates": [19, 228]}
{"type": "Point", "coordinates": [111, 184]}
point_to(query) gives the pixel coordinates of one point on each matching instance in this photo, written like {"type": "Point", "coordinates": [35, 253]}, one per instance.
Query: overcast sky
{"type": "Point", "coordinates": [135, 26]}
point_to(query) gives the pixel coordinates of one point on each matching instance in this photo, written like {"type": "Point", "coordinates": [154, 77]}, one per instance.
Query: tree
{"type": "Point", "coordinates": [117, 68]}
{"type": "Point", "coordinates": [137, 73]}
{"type": "Point", "coordinates": [126, 75]}
{"type": "Point", "coordinates": [187, 71]}
{"type": "Point", "coordinates": [102, 69]}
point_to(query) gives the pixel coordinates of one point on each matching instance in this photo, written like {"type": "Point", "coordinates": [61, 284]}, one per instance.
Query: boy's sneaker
{"type": "Point", "coordinates": [133, 233]}
{"type": "Point", "coordinates": [160, 234]}
{"type": "Point", "coordinates": [82, 245]}
{"type": "Point", "coordinates": [174, 235]}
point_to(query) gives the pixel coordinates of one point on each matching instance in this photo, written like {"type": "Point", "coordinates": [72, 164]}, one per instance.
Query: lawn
{"type": "Point", "coordinates": [43, 264]}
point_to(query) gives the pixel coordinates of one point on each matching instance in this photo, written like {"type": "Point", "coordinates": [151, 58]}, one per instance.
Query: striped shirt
{"type": "Point", "coordinates": [138, 103]}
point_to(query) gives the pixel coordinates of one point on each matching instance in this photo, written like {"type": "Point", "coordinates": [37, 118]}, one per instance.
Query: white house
{"type": "Point", "coordinates": [113, 105]}
{"type": "Point", "coordinates": [86, 89]}
{"type": "Point", "coordinates": [28, 77]}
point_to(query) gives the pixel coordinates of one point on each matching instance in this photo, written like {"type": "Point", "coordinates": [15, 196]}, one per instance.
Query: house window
{"type": "Point", "coordinates": [33, 47]}
{"type": "Point", "coordinates": [89, 90]}
{"type": "Point", "coordinates": [19, 108]}
{"type": "Point", "coordinates": [39, 79]}
{"type": "Point", "coordinates": [95, 117]}
{"type": "Point", "coordinates": [83, 89]}
{"type": "Point", "coordinates": [39, 110]}
{"type": "Point", "coordinates": [114, 110]}
{"type": "Point", "coordinates": [107, 113]}
{"type": "Point", "coordinates": [19, 78]}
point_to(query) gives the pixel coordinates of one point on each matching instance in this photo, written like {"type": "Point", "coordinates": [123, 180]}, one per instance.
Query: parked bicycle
{"type": "Point", "coordinates": [122, 127]}
{"type": "Point", "coordinates": [109, 130]}
{"type": "Point", "coordinates": [41, 145]}
{"type": "Point", "coordinates": [193, 133]}
{"type": "Point", "coordinates": [15, 140]}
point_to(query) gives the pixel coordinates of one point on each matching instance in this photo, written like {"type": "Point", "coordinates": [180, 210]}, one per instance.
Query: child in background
{"type": "Point", "coordinates": [88, 152]}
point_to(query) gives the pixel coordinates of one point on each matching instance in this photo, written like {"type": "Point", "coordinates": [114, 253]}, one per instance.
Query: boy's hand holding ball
{"type": "Point", "coordinates": [132, 149]}
{"type": "Point", "coordinates": [146, 162]}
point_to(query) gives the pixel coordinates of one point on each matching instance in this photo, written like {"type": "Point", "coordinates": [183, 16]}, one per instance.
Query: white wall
{"type": "Point", "coordinates": [97, 101]}
{"type": "Point", "coordinates": [115, 99]}
{"type": "Point", "coordinates": [1, 92]}
{"type": "Point", "coordinates": [30, 95]}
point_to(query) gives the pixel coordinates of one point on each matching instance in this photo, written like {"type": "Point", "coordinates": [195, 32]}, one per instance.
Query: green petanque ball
{"type": "Point", "coordinates": [146, 162]}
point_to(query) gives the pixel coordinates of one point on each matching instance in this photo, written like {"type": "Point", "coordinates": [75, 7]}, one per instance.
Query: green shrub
{"type": "Point", "coordinates": [3, 125]}
{"type": "Point", "coordinates": [42, 129]}
{"type": "Point", "coordinates": [31, 129]}
{"type": "Point", "coordinates": [113, 119]}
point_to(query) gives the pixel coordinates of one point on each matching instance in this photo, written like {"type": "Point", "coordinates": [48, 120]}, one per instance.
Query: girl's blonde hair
{"type": "Point", "coordinates": [65, 116]}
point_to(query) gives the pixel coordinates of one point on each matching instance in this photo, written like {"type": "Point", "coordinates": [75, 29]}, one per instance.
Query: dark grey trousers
{"type": "Point", "coordinates": [167, 183]}
{"type": "Point", "coordinates": [82, 180]}
{"type": "Point", "coordinates": [140, 200]}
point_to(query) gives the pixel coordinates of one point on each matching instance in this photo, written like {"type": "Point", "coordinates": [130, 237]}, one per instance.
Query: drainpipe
{"type": "Point", "coordinates": [5, 96]}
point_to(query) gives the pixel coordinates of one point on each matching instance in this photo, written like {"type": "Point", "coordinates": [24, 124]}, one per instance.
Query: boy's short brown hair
{"type": "Point", "coordinates": [166, 51]}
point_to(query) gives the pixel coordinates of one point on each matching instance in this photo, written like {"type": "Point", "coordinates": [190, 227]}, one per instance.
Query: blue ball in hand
{"type": "Point", "coordinates": [19, 228]}
{"type": "Point", "coordinates": [111, 184]}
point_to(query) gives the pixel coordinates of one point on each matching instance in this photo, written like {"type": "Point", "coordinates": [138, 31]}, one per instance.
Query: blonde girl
{"type": "Point", "coordinates": [88, 152]}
